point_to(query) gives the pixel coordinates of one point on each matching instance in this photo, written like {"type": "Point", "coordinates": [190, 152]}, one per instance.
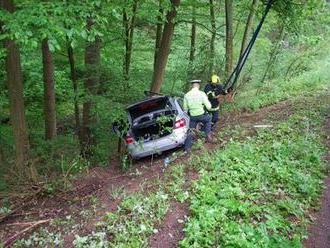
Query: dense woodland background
{"type": "Point", "coordinates": [68, 68]}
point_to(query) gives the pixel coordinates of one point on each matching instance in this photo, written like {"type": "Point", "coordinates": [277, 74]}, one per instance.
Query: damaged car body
{"type": "Point", "coordinates": [155, 125]}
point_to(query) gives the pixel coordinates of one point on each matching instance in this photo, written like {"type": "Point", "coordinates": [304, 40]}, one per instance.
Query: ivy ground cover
{"type": "Point", "coordinates": [258, 193]}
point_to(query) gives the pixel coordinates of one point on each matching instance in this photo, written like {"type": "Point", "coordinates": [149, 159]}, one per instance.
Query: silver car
{"type": "Point", "coordinates": [156, 124]}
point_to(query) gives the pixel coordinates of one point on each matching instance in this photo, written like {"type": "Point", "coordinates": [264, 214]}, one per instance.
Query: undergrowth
{"type": "Point", "coordinates": [310, 82]}
{"type": "Point", "coordinates": [258, 193]}
{"type": "Point", "coordinates": [131, 224]}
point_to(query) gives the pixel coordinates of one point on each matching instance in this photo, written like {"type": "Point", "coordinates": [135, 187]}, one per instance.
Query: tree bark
{"type": "Point", "coordinates": [193, 38]}
{"type": "Point", "coordinates": [212, 42]}
{"type": "Point", "coordinates": [158, 32]}
{"type": "Point", "coordinates": [92, 63]}
{"type": "Point", "coordinates": [248, 26]}
{"type": "Point", "coordinates": [129, 33]}
{"type": "Point", "coordinates": [164, 48]}
{"type": "Point", "coordinates": [2, 157]}
{"type": "Point", "coordinates": [49, 91]}
{"type": "Point", "coordinates": [15, 92]}
{"type": "Point", "coordinates": [229, 37]}
{"type": "Point", "coordinates": [192, 52]}
{"type": "Point", "coordinates": [74, 78]}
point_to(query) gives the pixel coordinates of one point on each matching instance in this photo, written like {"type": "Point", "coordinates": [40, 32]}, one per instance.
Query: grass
{"type": "Point", "coordinates": [258, 192]}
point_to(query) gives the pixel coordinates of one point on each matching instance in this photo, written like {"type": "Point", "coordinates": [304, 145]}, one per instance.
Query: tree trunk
{"type": "Point", "coordinates": [129, 33]}
{"type": "Point", "coordinates": [92, 63]}
{"type": "Point", "coordinates": [15, 92]}
{"type": "Point", "coordinates": [74, 78]}
{"type": "Point", "coordinates": [273, 54]}
{"type": "Point", "coordinates": [229, 37]}
{"type": "Point", "coordinates": [190, 71]}
{"type": "Point", "coordinates": [193, 38]}
{"type": "Point", "coordinates": [214, 30]}
{"type": "Point", "coordinates": [158, 32]}
{"type": "Point", "coordinates": [49, 91]}
{"type": "Point", "coordinates": [164, 48]}
{"type": "Point", "coordinates": [2, 157]}
{"type": "Point", "coordinates": [248, 26]}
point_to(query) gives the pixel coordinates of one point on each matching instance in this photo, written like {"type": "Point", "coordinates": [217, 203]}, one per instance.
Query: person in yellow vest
{"type": "Point", "coordinates": [214, 90]}
{"type": "Point", "coordinates": [195, 102]}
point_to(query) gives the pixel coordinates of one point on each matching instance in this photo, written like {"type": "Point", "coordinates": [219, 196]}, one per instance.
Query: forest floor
{"type": "Point", "coordinates": [319, 232]}
{"type": "Point", "coordinates": [101, 190]}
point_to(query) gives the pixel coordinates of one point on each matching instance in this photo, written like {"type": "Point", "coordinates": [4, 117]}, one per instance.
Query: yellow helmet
{"type": "Point", "coordinates": [215, 79]}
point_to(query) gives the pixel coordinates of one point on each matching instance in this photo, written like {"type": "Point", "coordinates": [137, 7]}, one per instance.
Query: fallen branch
{"type": "Point", "coordinates": [20, 223]}
{"type": "Point", "coordinates": [21, 205]}
{"type": "Point", "coordinates": [262, 126]}
{"type": "Point", "coordinates": [13, 238]}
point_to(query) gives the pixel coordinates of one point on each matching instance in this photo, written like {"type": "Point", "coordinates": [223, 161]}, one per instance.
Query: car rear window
{"type": "Point", "coordinates": [148, 106]}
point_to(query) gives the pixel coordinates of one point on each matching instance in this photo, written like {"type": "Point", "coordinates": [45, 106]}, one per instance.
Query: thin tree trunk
{"type": "Point", "coordinates": [49, 91]}
{"type": "Point", "coordinates": [15, 92]}
{"type": "Point", "coordinates": [2, 157]}
{"type": "Point", "coordinates": [212, 42]}
{"type": "Point", "coordinates": [158, 31]}
{"type": "Point", "coordinates": [248, 26]}
{"type": "Point", "coordinates": [126, 41]}
{"type": "Point", "coordinates": [229, 37]}
{"type": "Point", "coordinates": [190, 71]}
{"type": "Point", "coordinates": [273, 54]}
{"type": "Point", "coordinates": [164, 49]}
{"type": "Point", "coordinates": [92, 63]}
{"type": "Point", "coordinates": [74, 78]}
{"type": "Point", "coordinates": [193, 38]}
{"type": "Point", "coordinates": [2, 144]}
{"type": "Point", "coordinates": [129, 33]}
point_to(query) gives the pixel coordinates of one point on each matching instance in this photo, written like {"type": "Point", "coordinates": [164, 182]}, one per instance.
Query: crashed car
{"type": "Point", "coordinates": [155, 125]}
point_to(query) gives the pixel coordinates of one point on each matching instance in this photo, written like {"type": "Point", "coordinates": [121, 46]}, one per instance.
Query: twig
{"type": "Point", "coordinates": [21, 223]}
{"type": "Point", "coordinates": [25, 213]}
{"type": "Point", "coordinates": [22, 205]}
{"type": "Point", "coordinates": [9, 241]}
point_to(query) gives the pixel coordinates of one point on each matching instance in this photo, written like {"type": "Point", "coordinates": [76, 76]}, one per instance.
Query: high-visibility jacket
{"type": "Point", "coordinates": [213, 91]}
{"type": "Point", "coordinates": [195, 102]}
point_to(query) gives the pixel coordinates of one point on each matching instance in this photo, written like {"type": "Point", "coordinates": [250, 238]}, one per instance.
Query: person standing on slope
{"type": "Point", "coordinates": [195, 102]}
{"type": "Point", "coordinates": [214, 90]}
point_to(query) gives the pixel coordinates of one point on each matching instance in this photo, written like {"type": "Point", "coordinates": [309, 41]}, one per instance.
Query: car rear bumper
{"type": "Point", "coordinates": [177, 138]}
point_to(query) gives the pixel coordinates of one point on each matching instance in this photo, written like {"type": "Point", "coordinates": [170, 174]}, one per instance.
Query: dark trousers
{"type": "Point", "coordinates": [215, 117]}
{"type": "Point", "coordinates": [205, 120]}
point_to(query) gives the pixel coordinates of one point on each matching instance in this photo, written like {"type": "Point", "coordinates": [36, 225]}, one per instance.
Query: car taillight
{"type": "Point", "coordinates": [129, 140]}
{"type": "Point", "coordinates": [180, 123]}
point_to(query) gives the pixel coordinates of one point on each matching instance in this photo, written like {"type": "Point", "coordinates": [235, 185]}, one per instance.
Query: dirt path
{"type": "Point", "coordinates": [319, 232]}
{"type": "Point", "coordinates": [109, 185]}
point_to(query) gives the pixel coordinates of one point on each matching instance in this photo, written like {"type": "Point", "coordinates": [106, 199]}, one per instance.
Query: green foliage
{"type": "Point", "coordinates": [43, 238]}
{"type": "Point", "coordinates": [258, 193]}
{"type": "Point", "coordinates": [175, 183]}
{"type": "Point", "coordinates": [301, 66]}
{"type": "Point", "coordinates": [308, 82]}
{"type": "Point", "coordinates": [131, 224]}
{"type": "Point", "coordinates": [97, 240]}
